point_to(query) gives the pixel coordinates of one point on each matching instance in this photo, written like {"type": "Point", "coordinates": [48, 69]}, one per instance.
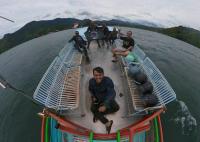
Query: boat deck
{"type": "Point", "coordinates": [101, 57]}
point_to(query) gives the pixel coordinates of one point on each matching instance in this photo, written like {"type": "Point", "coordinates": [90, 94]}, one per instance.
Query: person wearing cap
{"type": "Point", "coordinates": [103, 97]}
{"type": "Point", "coordinates": [127, 47]}
{"type": "Point", "coordinates": [79, 44]}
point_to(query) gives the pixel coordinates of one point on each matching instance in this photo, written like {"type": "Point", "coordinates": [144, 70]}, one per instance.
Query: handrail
{"type": "Point", "coordinates": [73, 128]}
{"type": "Point", "coordinates": [139, 53]}
{"type": "Point", "coordinates": [47, 130]}
{"type": "Point", "coordinates": [156, 129]}
{"type": "Point", "coordinates": [49, 91]}
{"type": "Point", "coordinates": [118, 136]}
{"type": "Point", "coordinates": [91, 137]}
{"type": "Point", "coordinates": [161, 130]}
{"type": "Point", "coordinates": [162, 89]}
{"type": "Point", "coordinates": [42, 129]}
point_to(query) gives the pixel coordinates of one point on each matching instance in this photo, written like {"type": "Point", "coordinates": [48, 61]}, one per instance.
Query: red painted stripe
{"type": "Point", "coordinates": [73, 128]}
{"type": "Point", "coordinates": [161, 130]}
{"type": "Point", "coordinates": [42, 129]}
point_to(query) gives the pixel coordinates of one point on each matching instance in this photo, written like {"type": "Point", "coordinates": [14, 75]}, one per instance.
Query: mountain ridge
{"type": "Point", "coordinates": [36, 29]}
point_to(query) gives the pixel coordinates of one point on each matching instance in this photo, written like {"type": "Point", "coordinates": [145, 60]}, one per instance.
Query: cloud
{"type": "Point", "coordinates": [85, 13]}
{"type": "Point", "coordinates": [46, 16]}
{"type": "Point", "coordinates": [67, 12]}
{"type": "Point", "coordinates": [161, 12]}
{"type": "Point", "coordinates": [57, 14]}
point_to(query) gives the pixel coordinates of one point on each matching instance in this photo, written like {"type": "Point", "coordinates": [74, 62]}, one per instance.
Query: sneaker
{"type": "Point", "coordinates": [108, 128]}
{"type": "Point", "coordinates": [121, 95]}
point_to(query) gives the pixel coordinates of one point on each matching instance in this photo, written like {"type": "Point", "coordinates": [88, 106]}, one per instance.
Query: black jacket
{"type": "Point", "coordinates": [127, 42]}
{"type": "Point", "coordinates": [103, 92]}
{"type": "Point", "coordinates": [78, 40]}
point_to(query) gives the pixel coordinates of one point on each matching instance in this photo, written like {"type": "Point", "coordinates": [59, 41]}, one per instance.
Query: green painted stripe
{"type": "Point", "coordinates": [118, 136]}
{"type": "Point", "coordinates": [91, 136]}
{"type": "Point", "coordinates": [47, 130]}
{"type": "Point", "coordinates": [156, 130]}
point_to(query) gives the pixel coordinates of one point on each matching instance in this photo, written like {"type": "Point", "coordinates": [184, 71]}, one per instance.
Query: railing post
{"type": "Point", "coordinates": [118, 136]}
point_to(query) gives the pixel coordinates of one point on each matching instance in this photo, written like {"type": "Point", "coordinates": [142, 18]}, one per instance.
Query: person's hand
{"type": "Point", "coordinates": [102, 108]}
{"type": "Point", "coordinates": [93, 99]}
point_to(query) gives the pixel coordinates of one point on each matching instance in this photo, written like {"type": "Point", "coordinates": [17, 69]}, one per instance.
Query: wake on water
{"type": "Point", "coordinates": [185, 119]}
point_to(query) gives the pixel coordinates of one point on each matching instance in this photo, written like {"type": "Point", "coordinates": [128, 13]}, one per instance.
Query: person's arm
{"type": "Point", "coordinates": [130, 48]}
{"type": "Point", "coordinates": [122, 37]}
{"type": "Point", "coordinates": [132, 44]}
{"type": "Point", "coordinates": [110, 93]}
{"type": "Point", "coordinates": [71, 39]}
{"type": "Point", "coordinates": [91, 89]}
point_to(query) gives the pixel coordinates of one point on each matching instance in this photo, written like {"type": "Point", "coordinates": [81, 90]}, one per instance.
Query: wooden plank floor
{"type": "Point", "coordinates": [71, 88]}
{"type": "Point", "coordinates": [102, 57]}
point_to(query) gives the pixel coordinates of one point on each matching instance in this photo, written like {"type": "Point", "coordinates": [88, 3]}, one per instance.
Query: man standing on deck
{"type": "Point", "coordinates": [103, 97]}
{"type": "Point", "coordinates": [92, 29]}
{"type": "Point", "coordinates": [106, 34]}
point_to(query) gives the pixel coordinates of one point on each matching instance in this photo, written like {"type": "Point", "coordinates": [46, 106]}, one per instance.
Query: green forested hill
{"type": "Point", "coordinates": [38, 28]}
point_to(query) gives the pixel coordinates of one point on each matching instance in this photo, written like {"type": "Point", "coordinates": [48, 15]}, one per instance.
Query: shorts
{"type": "Point", "coordinates": [118, 48]}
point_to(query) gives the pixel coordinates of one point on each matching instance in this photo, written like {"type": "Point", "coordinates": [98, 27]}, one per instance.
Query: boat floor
{"type": "Point", "coordinates": [101, 57]}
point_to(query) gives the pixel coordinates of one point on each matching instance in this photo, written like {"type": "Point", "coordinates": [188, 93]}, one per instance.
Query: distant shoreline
{"type": "Point", "coordinates": [36, 29]}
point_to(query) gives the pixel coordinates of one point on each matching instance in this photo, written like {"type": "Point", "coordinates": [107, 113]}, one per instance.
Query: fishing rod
{"type": "Point", "coordinates": [7, 19]}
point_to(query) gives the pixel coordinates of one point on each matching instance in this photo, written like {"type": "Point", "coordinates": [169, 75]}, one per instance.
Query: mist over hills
{"type": "Point", "coordinates": [36, 29]}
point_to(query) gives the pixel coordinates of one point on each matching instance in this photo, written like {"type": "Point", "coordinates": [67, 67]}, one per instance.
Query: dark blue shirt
{"type": "Point", "coordinates": [104, 92]}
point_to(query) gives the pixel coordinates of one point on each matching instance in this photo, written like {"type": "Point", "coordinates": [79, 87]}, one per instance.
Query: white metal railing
{"type": "Point", "coordinates": [49, 91]}
{"type": "Point", "coordinates": [139, 53]}
{"type": "Point", "coordinates": [41, 92]}
{"type": "Point", "coordinates": [162, 88]}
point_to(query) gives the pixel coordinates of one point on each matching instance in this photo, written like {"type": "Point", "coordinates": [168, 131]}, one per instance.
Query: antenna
{"type": "Point", "coordinates": [7, 19]}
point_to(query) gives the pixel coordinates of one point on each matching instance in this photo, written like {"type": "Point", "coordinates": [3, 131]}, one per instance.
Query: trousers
{"type": "Point", "coordinates": [114, 107]}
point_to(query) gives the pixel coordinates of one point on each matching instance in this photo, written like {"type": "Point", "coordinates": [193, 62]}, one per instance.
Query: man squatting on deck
{"type": "Point", "coordinates": [103, 97]}
{"type": "Point", "coordinates": [79, 44]}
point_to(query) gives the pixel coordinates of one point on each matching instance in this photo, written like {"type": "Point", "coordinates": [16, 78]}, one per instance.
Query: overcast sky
{"type": "Point", "coordinates": [165, 13]}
